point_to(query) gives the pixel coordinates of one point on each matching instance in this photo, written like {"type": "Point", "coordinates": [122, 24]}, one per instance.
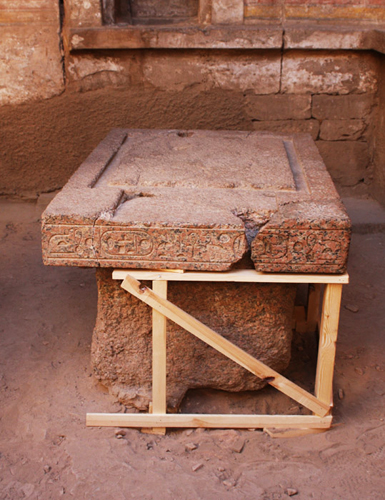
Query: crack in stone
{"type": "Point", "coordinates": [253, 223]}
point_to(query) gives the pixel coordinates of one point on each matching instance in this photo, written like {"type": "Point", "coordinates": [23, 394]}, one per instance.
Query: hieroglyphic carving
{"type": "Point", "coordinates": [145, 245]}
{"type": "Point", "coordinates": [279, 250]}
{"type": "Point", "coordinates": [67, 242]}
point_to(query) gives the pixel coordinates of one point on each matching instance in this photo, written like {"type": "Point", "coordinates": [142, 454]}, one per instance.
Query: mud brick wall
{"type": "Point", "coordinates": [56, 104]}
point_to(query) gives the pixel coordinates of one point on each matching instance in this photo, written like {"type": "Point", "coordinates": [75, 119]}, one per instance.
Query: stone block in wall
{"type": "Point", "coordinates": [278, 107]}
{"type": "Point", "coordinates": [83, 13]}
{"type": "Point", "coordinates": [227, 11]}
{"type": "Point", "coordinates": [342, 130]}
{"type": "Point", "coordinates": [93, 71]}
{"type": "Point", "coordinates": [30, 62]}
{"type": "Point", "coordinates": [289, 126]}
{"type": "Point", "coordinates": [258, 72]}
{"type": "Point", "coordinates": [326, 72]}
{"type": "Point", "coordinates": [344, 107]}
{"type": "Point", "coordinates": [346, 161]}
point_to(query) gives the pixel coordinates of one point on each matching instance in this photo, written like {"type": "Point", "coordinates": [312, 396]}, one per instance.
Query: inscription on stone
{"type": "Point", "coordinates": [158, 244]}
{"type": "Point", "coordinates": [199, 200]}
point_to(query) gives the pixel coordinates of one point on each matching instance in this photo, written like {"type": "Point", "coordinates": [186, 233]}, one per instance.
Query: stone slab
{"type": "Point", "coordinates": [199, 200]}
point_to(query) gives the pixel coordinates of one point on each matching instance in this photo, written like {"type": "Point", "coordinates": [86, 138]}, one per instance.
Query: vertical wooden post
{"type": "Point", "coordinates": [313, 306]}
{"type": "Point", "coordinates": [159, 325]}
{"type": "Point", "coordinates": [327, 343]}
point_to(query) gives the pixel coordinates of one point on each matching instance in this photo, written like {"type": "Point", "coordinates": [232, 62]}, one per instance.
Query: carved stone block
{"type": "Point", "coordinates": [199, 200]}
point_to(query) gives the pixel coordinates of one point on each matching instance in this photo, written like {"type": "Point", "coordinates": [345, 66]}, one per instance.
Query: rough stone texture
{"type": "Point", "coordinates": [342, 130]}
{"type": "Point", "coordinates": [278, 107]}
{"type": "Point", "coordinates": [344, 107]}
{"type": "Point", "coordinates": [178, 35]}
{"type": "Point", "coordinates": [83, 13]}
{"type": "Point", "coordinates": [345, 160]}
{"type": "Point", "coordinates": [91, 72]}
{"type": "Point", "coordinates": [289, 126]}
{"type": "Point", "coordinates": [199, 200]}
{"type": "Point", "coordinates": [228, 71]}
{"type": "Point", "coordinates": [30, 58]}
{"type": "Point", "coordinates": [315, 10]}
{"type": "Point", "coordinates": [256, 317]}
{"type": "Point", "coordinates": [147, 10]}
{"type": "Point", "coordinates": [178, 71]}
{"type": "Point", "coordinates": [227, 11]}
{"type": "Point", "coordinates": [323, 72]}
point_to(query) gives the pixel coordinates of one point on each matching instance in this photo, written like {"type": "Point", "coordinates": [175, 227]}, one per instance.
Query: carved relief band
{"type": "Point", "coordinates": [136, 247]}
{"type": "Point", "coordinates": [278, 250]}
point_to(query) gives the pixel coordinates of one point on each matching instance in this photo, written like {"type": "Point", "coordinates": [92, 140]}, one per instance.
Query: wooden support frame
{"type": "Point", "coordinates": [320, 403]}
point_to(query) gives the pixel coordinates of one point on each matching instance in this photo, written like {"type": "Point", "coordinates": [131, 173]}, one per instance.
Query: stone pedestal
{"type": "Point", "coordinates": [256, 317]}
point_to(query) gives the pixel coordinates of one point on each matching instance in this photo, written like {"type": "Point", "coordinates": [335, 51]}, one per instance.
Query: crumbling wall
{"type": "Point", "coordinates": [30, 53]}
{"type": "Point", "coordinates": [53, 114]}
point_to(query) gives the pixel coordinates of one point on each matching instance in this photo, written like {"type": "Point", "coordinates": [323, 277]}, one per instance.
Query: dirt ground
{"type": "Point", "coordinates": [46, 388]}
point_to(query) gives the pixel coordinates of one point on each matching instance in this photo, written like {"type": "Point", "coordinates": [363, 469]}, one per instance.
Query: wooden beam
{"type": "Point", "coordinates": [159, 326]}
{"type": "Point", "coordinates": [327, 343]}
{"type": "Point", "coordinates": [209, 421]}
{"type": "Point", "coordinates": [224, 346]}
{"type": "Point", "coordinates": [238, 275]}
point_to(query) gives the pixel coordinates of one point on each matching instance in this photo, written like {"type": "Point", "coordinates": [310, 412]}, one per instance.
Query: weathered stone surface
{"type": "Point", "coordinates": [289, 127]}
{"type": "Point", "coordinates": [89, 72]}
{"type": "Point", "coordinates": [178, 36]}
{"type": "Point", "coordinates": [342, 130]}
{"type": "Point", "coordinates": [256, 317]}
{"type": "Point", "coordinates": [344, 107]}
{"type": "Point", "coordinates": [345, 160]}
{"type": "Point", "coordinates": [30, 62]}
{"type": "Point", "coordinates": [177, 71]}
{"type": "Point", "coordinates": [278, 107]}
{"type": "Point", "coordinates": [151, 10]}
{"type": "Point", "coordinates": [83, 13]}
{"type": "Point", "coordinates": [196, 200]}
{"type": "Point", "coordinates": [258, 72]}
{"type": "Point", "coordinates": [294, 239]}
{"type": "Point", "coordinates": [227, 11]}
{"type": "Point", "coordinates": [327, 37]}
{"type": "Point", "coordinates": [323, 72]}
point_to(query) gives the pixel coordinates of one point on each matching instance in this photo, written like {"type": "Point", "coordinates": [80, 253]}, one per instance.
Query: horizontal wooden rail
{"type": "Point", "coordinates": [238, 275]}
{"type": "Point", "coordinates": [213, 421]}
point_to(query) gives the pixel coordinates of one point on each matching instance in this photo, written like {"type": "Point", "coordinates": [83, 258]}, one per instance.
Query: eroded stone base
{"type": "Point", "coordinates": [256, 317]}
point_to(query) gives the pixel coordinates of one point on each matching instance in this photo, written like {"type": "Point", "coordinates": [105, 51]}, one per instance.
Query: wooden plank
{"type": "Point", "coordinates": [313, 307]}
{"type": "Point", "coordinates": [290, 433]}
{"type": "Point", "coordinates": [224, 346]}
{"type": "Point", "coordinates": [159, 326]}
{"type": "Point", "coordinates": [327, 343]}
{"type": "Point", "coordinates": [238, 275]}
{"type": "Point", "coordinates": [209, 421]}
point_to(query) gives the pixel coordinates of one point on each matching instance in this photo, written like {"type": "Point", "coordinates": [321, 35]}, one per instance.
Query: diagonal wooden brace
{"type": "Point", "coordinates": [224, 346]}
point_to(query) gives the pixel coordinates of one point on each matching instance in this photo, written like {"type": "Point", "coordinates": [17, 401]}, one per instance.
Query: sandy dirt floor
{"type": "Point", "coordinates": [46, 388]}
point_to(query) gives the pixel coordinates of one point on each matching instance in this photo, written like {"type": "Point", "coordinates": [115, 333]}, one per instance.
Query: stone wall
{"type": "Point", "coordinates": [30, 53]}
{"type": "Point", "coordinates": [53, 111]}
